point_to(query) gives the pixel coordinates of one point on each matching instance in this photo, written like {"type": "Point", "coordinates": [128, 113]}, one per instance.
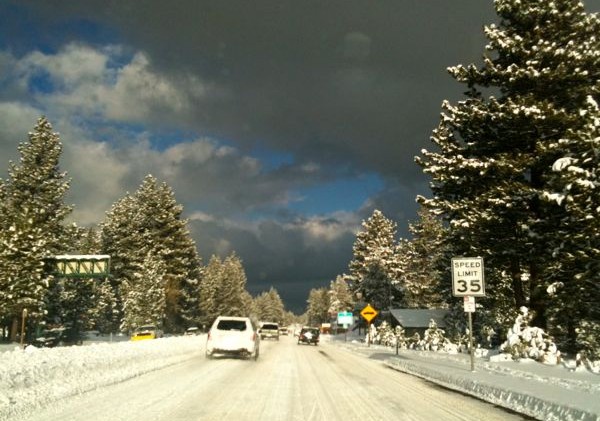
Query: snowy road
{"type": "Point", "coordinates": [288, 382]}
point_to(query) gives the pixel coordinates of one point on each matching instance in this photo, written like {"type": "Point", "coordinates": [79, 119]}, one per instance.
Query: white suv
{"type": "Point", "coordinates": [233, 336]}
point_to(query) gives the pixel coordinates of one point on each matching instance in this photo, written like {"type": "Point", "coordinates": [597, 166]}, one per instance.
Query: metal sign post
{"type": "Point", "coordinates": [23, 319]}
{"type": "Point", "coordinates": [469, 306]}
{"type": "Point", "coordinates": [369, 313]}
{"type": "Point", "coordinates": [468, 282]}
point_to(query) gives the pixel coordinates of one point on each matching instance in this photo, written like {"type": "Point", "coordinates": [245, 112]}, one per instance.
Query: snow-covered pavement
{"type": "Point", "coordinates": [551, 393]}
{"type": "Point", "coordinates": [34, 378]}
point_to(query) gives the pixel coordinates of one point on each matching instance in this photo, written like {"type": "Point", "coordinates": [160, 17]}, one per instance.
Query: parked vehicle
{"type": "Point", "coordinates": [146, 332]}
{"type": "Point", "coordinates": [269, 330]}
{"type": "Point", "coordinates": [50, 338]}
{"type": "Point", "coordinates": [233, 336]}
{"type": "Point", "coordinates": [191, 331]}
{"type": "Point", "coordinates": [309, 335]}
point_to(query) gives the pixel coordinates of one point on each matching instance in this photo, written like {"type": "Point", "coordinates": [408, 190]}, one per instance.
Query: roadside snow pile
{"type": "Point", "coordinates": [560, 392]}
{"type": "Point", "coordinates": [37, 376]}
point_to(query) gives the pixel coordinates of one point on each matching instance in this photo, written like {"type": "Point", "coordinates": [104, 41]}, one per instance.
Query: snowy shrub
{"type": "Point", "coordinates": [450, 347]}
{"type": "Point", "coordinates": [434, 337]}
{"type": "Point", "coordinates": [487, 333]}
{"type": "Point", "coordinates": [588, 336]}
{"type": "Point", "coordinates": [524, 341]}
{"type": "Point", "coordinates": [385, 335]}
{"type": "Point", "coordinates": [415, 341]}
{"type": "Point", "coordinates": [400, 338]}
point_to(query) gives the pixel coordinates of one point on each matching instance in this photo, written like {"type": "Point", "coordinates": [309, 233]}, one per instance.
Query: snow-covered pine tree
{"type": "Point", "coordinates": [340, 297]}
{"type": "Point", "coordinates": [144, 296]}
{"type": "Point", "coordinates": [375, 267]}
{"type": "Point", "coordinates": [101, 305]}
{"type": "Point", "coordinates": [425, 280]}
{"type": "Point", "coordinates": [32, 215]}
{"type": "Point", "coordinates": [223, 289]}
{"type": "Point", "coordinates": [269, 306]}
{"type": "Point", "coordinates": [121, 241]}
{"type": "Point", "coordinates": [232, 289]}
{"type": "Point", "coordinates": [165, 228]}
{"type": "Point", "coordinates": [150, 221]}
{"type": "Point", "coordinates": [575, 193]}
{"type": "Point", "coordinates": [211, 278]}
{"type": "Point", "coordinates": [495, 153]}
{"type": "Point", "coordinates": [317, 311]}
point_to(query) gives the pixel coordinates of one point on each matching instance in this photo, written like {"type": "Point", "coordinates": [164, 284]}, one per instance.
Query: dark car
{"type": "Point", "coordinates": [51, 338]}
{"type": "Point", "coordinates": [309, 335]}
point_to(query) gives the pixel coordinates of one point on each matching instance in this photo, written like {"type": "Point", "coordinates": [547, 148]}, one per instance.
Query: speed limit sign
{"type": "Point", "coordinates": [467, 277]}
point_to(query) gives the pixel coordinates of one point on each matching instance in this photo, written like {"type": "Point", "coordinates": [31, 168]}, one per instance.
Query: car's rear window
{"type": "Point", "coordinates": [231, 325]}
{"type": "Point", "coordinates": [145, 328]}
{"type": "Point", "coordinates": [269, 326]}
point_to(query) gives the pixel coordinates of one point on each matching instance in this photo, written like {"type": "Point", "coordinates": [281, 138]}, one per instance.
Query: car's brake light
{"type": "Point", "coordinates": [208, 337]}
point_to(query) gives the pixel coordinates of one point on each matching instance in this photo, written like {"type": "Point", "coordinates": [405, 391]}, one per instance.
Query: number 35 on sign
{"type": "Point", "coordinates": [467, 277]}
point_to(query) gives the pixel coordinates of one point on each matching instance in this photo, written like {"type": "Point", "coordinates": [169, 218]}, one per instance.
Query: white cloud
{"type": "Point", "coordinates": [84, 80]}
{"type": "Point", "coordinates": [330, 228]}
{"type": "Point", "coordinates": [75, 65]}
{"type": "Point", "coordinates": [139, 92]}
{"type": "Point", "coordinates": [16, 120]}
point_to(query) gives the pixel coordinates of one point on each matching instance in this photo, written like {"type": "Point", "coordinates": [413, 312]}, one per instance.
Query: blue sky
{"type": "Point", "coordinates": [280, 126]}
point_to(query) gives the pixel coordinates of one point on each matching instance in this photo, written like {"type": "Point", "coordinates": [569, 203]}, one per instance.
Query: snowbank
{"type": "Point", "coordinates": [37, 376]}
{"type": "Point", "coordinates": [545, 392]}
{"type": "Point", "coordinates": [34, 378]}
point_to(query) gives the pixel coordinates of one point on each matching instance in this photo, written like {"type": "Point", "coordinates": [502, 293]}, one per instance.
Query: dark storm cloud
{"type": "Point", "coordinates": [355, 82]}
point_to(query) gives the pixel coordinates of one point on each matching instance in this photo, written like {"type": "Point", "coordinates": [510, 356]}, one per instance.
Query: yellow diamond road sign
{"type": "Point", "coordinates": [369, 313]}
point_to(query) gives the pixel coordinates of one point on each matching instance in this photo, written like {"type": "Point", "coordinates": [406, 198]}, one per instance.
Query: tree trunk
{"type": "Point", "coordinates": [517, 285]}
{"type": "Point", "coordinates": [14, 328]}
{"type": "Point", "coordinates": [537, 300]}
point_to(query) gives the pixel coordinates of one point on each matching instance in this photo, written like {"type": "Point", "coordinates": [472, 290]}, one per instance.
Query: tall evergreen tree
{"type": "Point", "coordinates": [144, 296]}
{"type": "Point", "coordinates": [150, 221]}
{"type": "Point", "coordinates": [497, 147]}
{"type": "Point", "coordinates": [340, 296]}
{"type": "Point", "coordinates": [269, 306]}
{"type": "Point", "coordinates": [575, 268]}
{"type": "Point", "coordinates": [317, 311]}
{"type": "Point", "coordinates": [375, 267]}
{"type": "Point", "coordinates": [32, 216]}
{"type": "Point", "coordinates": [101, 305]}
{"type": "Point", "coordinates": [212, 276]}
{"type": "Point", "coordinates": [223, 289]}
{"type": "Point", "coordinates": [425, 260]}
{"type": "Point", "coordinates": [232, 289]}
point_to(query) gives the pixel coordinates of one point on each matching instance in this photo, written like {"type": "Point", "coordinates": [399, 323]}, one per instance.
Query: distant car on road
{"type": "Point", "coordinates": [146, 332]}
{"type": "Point", "coordinates": [191, 331]}
{"type": "Point", "coordinates": [269, 330]}
{"type": "Point", "coordinates": [233, 336]}
{"type": "Point", "coordinates": [309, 335]}
{"type": "Point", "coordinates": [283, 331]}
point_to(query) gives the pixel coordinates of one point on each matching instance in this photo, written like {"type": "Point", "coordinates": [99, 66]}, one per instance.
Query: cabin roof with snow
{"type": "Point", "coordinates": [419, 318]}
